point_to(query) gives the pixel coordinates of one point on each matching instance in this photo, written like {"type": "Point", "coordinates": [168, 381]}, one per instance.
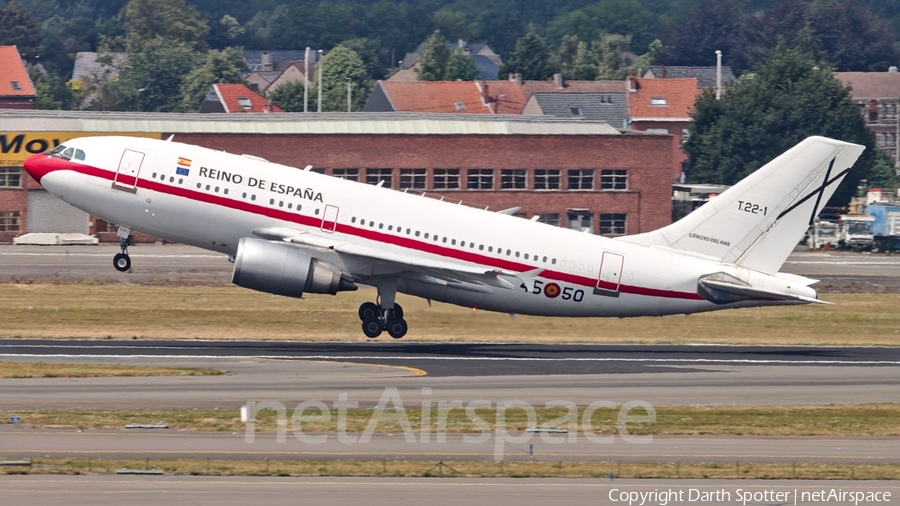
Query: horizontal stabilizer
{"type": "Point", "coordinates": [744, 292]}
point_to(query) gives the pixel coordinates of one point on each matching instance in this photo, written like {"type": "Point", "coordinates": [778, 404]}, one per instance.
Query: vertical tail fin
{"type": "Point", "coordinates": [757, 222]}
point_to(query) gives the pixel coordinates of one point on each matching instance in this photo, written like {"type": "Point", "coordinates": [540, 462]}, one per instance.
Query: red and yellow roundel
{"type": "Point", "coordinates": [552, 290]}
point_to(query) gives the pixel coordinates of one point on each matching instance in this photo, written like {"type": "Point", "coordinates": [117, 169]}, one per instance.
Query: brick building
{"type": "Point", "coordinates": [577, 174]}
{"type": "Point", "coordinates": [877, 94]}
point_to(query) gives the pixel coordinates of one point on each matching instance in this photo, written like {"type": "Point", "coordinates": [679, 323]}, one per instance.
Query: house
{"type": "Point", "coordinates": [664, 106]}
{"type": "Point", "coordinates": [877, 94]}
{"type": "Point", "coordinates": [233, 98]}
{"type": "Point", "coordinates": [465, 97]}
{"type": "Point", "coordinates": [705, 76]}
{"type": "Point", "coordinates": [269, 80]}
{"type": "Point", "coordinates": [16, 88]}
{"type": "Point", "coordinates": [609, 107]}
{"type": "Point", "coordinates": [93, 70]}
{"type": "Point", "coordinates": [262, 60]}
{"type": "Point", "coordinates": [486, 61]}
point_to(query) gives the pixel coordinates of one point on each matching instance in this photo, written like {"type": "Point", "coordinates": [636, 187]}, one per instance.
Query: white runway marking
{"type": "Point", "coordinates": [490, 359]}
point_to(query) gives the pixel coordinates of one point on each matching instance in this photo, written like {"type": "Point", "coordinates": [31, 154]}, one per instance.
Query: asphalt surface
{"type": "Point", "coordinates": [20, 442]}
{"type": "Point", "coordinates": [474, 359]}
{"type": "Point", "coordinates": [839, 272]}
{"type": "Point", "coordinates": [240, 491]}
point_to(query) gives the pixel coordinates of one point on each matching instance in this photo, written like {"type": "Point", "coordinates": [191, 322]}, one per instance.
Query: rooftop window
{"type": "Point", "coordinates": [658, 101]}
{"type": "Point", "coordinates": [15, 85]}
{"type": "Point", "coordinates": [244, 103]}
{"type": "Point", "coordinates": [575, 111]}
{"type": "Point", "coordinates": [460, 106]}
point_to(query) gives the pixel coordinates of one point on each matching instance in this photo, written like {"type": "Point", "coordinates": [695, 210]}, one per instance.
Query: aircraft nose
{"type": "Point", "coordinates": [37, 166]}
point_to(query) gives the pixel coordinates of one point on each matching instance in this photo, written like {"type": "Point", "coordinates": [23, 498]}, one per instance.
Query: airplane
{"type": "Point", "coordinates": [291, 231]}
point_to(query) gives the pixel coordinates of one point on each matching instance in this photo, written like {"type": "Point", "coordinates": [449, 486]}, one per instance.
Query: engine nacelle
{"type": "Point", "coordinates": [273, 268]}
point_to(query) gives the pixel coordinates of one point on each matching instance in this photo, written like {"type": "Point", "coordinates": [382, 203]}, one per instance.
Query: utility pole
{"type": "Point", "coordinates": [306, 81]}
{"type": "Point", "coordinates": [718, 74]}
{"type": "Point", "coordinates": [320, 81]}
{"type": "Point", "coordinates": [349, 93]}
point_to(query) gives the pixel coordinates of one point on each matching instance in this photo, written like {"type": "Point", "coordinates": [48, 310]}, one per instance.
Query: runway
{"type": "Point", "coordinates": [239, 491]}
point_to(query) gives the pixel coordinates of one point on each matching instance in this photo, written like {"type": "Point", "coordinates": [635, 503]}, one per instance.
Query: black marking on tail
{"type": "Point", "coordinates": [818, 192]}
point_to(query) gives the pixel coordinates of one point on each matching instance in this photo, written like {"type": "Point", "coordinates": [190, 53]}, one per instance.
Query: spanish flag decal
{"type": "Point", "coordinates": [184, 161]}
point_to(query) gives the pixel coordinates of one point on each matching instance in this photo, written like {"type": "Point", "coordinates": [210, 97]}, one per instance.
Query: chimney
{"type": "Point", "coordinates": [558, 80]}
{"type": "Point", "coordinates": [515, 77]}
{"type": "Point", "coordinates": [662, 72]}
{"type": "Point", "coordinates": [266, 60]}
{"type": "Point", "coordinates": [268, 106]}
{"type": "Point", "coordinates": [632, 82]}
{"type": "Point", "coordinates": [892, 69]}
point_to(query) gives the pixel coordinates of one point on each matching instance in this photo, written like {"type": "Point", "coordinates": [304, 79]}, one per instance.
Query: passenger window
{"type": "Point", "coordinates": [317, 211]}
{"type": "Point", "coordinates": [226, 191]}
{"type": "Point", "coordinates": [445, 240]}
{"type": "Point", "coordinates": [180, 180]}
{"type": "Point", "coordinates": [252, 197]}
{"type": "Point", "coordinates": [517, 254]}
{"type": "Point", "coordinates": [544, 260]}
{"type": "Point", "coordinates": [426, 235]}
{"type": "Point", "coordinates": [380, 226]}
{"type": "Point", "coordinates": [171, 179]}
{"type": "Point", "coordinates": [353, 219]}
{"type": "Point", "coordinates": [244, 195]}
{"type": "Point", "coordinates": [154, 175]}
{"type": "Point", "coordinates": [217, 189]}
{"type": "Point", "coordinates": [198, 186]}
{"type": "Point", "coordinates": [417, 233]}
{"type": "Point", "coordinates": [271, 202]}
{"type": "Point", "coordinates": [490, 249]}
{"type": "Point", "coordinates": [390, 227]}
{"type": "Point", "coordinates": [207, 187]}
{"type": "Point", "coordinates": [481, 247]}
{"type": "Point", "coordinates": [290, 205]}
{"type": "Point", "coordinates": [453, 242]}
{"type": "Point", "coordinates": [280, 203]}
{"type": "Point", "coordinates": [508, 252]}
{"type": "Point", "coordinates": [408, 231]}
{"type": "Point", "coordinates": [526, 256]}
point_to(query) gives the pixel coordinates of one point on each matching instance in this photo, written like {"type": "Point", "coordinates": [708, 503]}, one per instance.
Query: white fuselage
{"type": "Point", "coordinates": [225, 197]}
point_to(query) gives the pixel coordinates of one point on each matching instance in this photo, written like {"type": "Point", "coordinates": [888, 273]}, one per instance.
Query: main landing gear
{"type": "Point", "coordinates": [384, 316]}
{"type": "Point", "coordinates": [122, 262]}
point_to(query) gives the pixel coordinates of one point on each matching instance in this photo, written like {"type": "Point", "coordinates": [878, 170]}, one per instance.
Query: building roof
{"type": "Point", "coordinates": [14, 80]}
{"type": "Point", "coordinates": [458, 97]}
{"type": "Point", "coordinates": [87, 66]}
{"type": "Point", "coordinates": [609, 107]}
{"type": "Point", "coordinates": [532, 87]}
{"type": "Point", "coordinates": [280, 59]}
{"type": "Point", "coordinates": [236, 98]}
{"type": "Point", "coordinates": [299, 123]}
{"type": "Point", "coordinates": [871, 84]}
{"type": "Point", "coordinates": [487, 68]}
{"type": "Point", "coordinates": [706, 76]}
{"type": "Point", "coordinates": [488, 64]}
{"type": "Point", "coordinates": [662, 99]}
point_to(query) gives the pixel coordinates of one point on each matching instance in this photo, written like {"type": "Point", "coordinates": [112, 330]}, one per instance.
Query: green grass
{"type": "Point", "coordinates": [46, 370]}
{"type": "Point", "coordinates": [513, 469]}
{"type": "Point", "coordinates": [153, 312]}
{"type": "Point", "coordinates": [827, 420]}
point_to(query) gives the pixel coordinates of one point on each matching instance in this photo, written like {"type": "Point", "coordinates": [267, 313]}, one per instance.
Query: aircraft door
{"type": "Point", "coordinates": [610, 274]}
{"type": "Point", "coordinates": [329, 219]}
{"type": "Point", "coordinates": [129, 170]}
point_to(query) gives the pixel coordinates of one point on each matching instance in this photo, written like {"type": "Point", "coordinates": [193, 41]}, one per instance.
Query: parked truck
{"type": "Point", "coordinates": [885, 225]}
{"type": "Point", "coordinates": [823, 235]}
{"type": "Point", "coordinates": [855, 232]}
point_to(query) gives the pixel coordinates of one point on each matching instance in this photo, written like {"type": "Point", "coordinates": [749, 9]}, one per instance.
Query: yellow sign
{"type": "Point", "coordinates": [15, 147]}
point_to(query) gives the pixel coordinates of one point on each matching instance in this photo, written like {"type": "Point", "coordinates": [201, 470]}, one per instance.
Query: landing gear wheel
{"type": "Point", "coordinates": [398, 311]}
{"type": "Point", "coordinates": [372, 327]}
{"type": "Point", "coordinates": [122, 262]}
{"type": "Point", "coordinates": [397, 328]}
{"type": "Point", "coordinates": [368, 310]}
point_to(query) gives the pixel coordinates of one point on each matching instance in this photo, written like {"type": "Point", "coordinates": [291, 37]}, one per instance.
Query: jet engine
{"type": "Point", "coordinates": [274, 268]}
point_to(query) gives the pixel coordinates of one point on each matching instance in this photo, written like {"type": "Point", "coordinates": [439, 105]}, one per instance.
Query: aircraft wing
{"type": "Point", "coordinates": [422, 269]}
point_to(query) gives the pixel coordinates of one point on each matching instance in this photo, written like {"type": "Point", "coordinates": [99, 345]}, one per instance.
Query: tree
{"type": "Point", "coordinates": [225, 66]}
{"type": "Point", "coordinates": [288, 96]}
{"type": "Point", "coordinates": [626, 17]}
{"type": "Point", "coordinates": [788, 99]}
{"type": "Point", "coordinates": [609, 52]}
{"type": "Point", "coordinates": [851, 38]}
{"type": "Point", "coordinates": [460, 67]}
{"type": "Point", "coordinates": [175, 20]}
{"type": "Point", "coordinates": [19, 28]}
{"type": "Point", "coordinates": [434, 58]}
{"type": "Point", "coordinates": [159, 69]}
{"type": "Point", "coordinates": [714, 25]}
{"type": "Point", "coordinates": [51, 90]}
{"type": "Point", "coordinates": [339, 65]}
{"type": "Point", "coordinates": [531, 58]}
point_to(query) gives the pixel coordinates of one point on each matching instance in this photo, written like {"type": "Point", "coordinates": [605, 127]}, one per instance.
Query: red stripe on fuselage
{"type": "Point", "coordinates": [403, 242]}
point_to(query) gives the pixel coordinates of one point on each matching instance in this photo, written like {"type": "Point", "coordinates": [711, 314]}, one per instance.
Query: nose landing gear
{"type": "Point", "coordinates": [122, 262]}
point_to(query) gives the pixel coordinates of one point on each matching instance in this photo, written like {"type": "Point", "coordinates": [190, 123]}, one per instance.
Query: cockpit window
{"type": "Point", "coordinates": [67, 154]}
{"type": "Point", "coordinates": [79, 154]}
{"type": "Point", "coordinates": [57, 150]}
